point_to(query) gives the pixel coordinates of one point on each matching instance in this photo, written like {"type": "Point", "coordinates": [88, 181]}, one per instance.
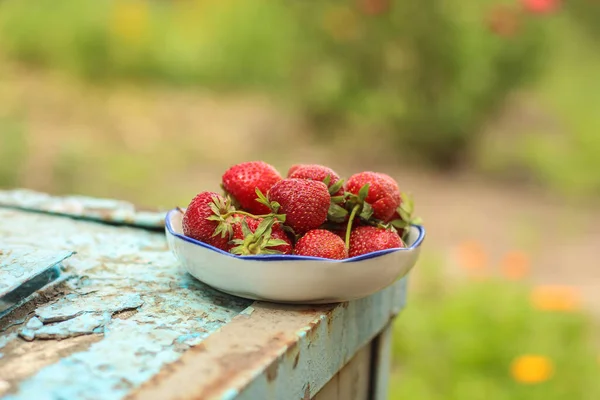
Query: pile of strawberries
{"type": "Point", "coordinates": [310, 213]}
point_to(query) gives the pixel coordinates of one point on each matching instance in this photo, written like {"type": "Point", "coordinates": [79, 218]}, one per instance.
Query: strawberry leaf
{"type": "Point", "coordinates": [262, 199]}
{"type": "Point", "coordinates": [246, 229]}
{"type": "Point", "coordinates": [333, 189]}
{"type": "Point", "coordinates": [363, 192]}
{"type": "Point", "coordinates": [336, 213]}
{"type": "Point", "coordinates": [264, 228]}
{"type": "Point", "coordinates": [398, 223]}
{"type": "Point", "coordinates": [337, 199]}
{"type": "Point", "coordinates": [275, 242]}
{"type": "Point", "coordinates": [327, 180]}
{"type": "Point", "coordinates": [366, 212]}
{"type": "Point", "coordinates": [274, 206]}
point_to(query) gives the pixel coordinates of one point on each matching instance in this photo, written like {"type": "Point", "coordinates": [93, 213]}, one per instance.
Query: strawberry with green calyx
{"type": "Point", "coordinates": [321, 243]}
{"type": "Point", "coordinates": [336, 213]}
{"type": "Point", "coordinates": [253, 223]}
{"type": "Point", "coordinates": [321, 173]}
{"type": "Point", "coordinates": [368, 239]}
{"type": "Point", "coordinates": [403, 218]}
{"type": "Point", "coordinates": [241, 181]}
{"type": "Point", "coordinates": [305, 203]}
{"type": "Point", "coordinates": [359, 208]}
{"type": "Point", "coordinates": [383, 195]}
{"type": "Point", "coordinates": [260, 241]}
{"type": "Point", "coordinates": [206, 219]}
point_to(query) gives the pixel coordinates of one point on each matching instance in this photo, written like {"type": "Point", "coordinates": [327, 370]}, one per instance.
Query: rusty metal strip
{"type": "Point", "coordinates": [278, 352]}
{"type": "Point", "coordinates": [82, 207]}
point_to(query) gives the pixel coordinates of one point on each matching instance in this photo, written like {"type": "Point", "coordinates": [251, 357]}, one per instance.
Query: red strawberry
{"type": "Point", "coordinates": [242, 180]}
{"type": "Point", "coordinates": [294, 168]}
{"type": "Point", "coordinates": [304, 202]}
{"type": "Point", "coordinates": [277, 232]}
{"type": "Point", "coordinates": [367, 239]}
{"type": "Point", "coordinates": [204, 219]}
{"type": "Point", "coordinates": [321, 243]}
{"type": "Point", "coordinates": [383, 195]}
{"type": "Point", "coordinates": [318, 173]}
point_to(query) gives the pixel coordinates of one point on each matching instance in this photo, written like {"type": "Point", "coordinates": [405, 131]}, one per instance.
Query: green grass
{"type": "Point", "coordinates": [457, 343]}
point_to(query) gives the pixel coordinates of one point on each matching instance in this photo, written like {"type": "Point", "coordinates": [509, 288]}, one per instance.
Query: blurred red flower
{"type": "Point", "coordinates": [541, 6]}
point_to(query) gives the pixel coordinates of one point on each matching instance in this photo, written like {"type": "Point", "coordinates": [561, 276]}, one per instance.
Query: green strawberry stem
{"type": "Point", "coordinates": [349, 226]}
{"type": "Point", "coordinates": [229, 214]}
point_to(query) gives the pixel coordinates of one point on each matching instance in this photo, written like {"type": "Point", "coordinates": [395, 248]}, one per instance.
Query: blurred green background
{"type": "Point", "coordinates": [486, 110]}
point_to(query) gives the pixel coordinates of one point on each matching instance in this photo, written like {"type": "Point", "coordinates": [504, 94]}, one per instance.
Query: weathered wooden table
{"type": "Point", "coordinates": [94, 306]}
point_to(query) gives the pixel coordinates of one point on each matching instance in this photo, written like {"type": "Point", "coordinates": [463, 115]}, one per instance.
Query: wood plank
{"type": "Point", "coordinates": [182, 339]}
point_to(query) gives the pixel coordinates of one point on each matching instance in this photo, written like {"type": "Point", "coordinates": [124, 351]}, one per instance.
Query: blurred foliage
{"type": "Point", "coordinates": [13, 150]}
{"type": "Point", "coordinates": [424, 77]}
{"type": "Point", "coordinates": [429, 74]}
{"type": "Point", "coordinates": [458, 343]}
{"type": "Point", "coordinates": [564, 153]}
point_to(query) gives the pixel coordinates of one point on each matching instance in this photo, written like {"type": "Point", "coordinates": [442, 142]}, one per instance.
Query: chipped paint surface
{"type": "Point", "coordinates": [25, 269]}
{"type": "Point", "coordinates": [114, 269]}
{"type": "Point", "coordinates": [106, 210]}
{"type": "Point", "coordinates": [160, 334]}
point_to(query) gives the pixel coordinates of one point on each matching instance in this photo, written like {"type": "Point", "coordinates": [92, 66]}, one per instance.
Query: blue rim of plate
{"type": "Point", "coordinates": [286, 257]}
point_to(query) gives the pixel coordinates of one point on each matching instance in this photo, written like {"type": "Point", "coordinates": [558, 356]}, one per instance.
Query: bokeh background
{"type": "Point", "coordinates": [487, 111]}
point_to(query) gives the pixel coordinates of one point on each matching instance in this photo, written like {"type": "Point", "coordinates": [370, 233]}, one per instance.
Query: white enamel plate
{"type": "Point", "coordinates": [291, 278]}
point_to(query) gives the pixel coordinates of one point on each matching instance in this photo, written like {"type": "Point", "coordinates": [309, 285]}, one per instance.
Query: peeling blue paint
{"type": "Point", "coordinates": [105, 210]}
{"type": "Point", "coordinates": [73, 305]}
{"type": "Point", "coordinates": [82, 324]}
{"type": "Point", "coordinates": [23, 270]}
{"type": "Point", "coordinates": [115, 268]}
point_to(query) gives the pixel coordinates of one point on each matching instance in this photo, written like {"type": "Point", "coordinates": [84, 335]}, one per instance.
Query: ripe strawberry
{"type": "Point", "coordinates": [321, 243]}
{"type": "Point", "coordinates": [294, 168]}
{"type": "Point", "coordinates": [304, 202]}
{"type": "Point", "coordinates": [383, 194]}
{"type": "Point", "coordinates": [367, 239]}
{"type": "Point", "coordinates": [261, 240]}
{"type": "Point", "coordinates": [277, 232]}
{"type": "Point", "coordinates": [242, 180]}
{"type": "Point", "coordinates": [205, 219]}
{"type": "Point", "coordinates": [318, 173]}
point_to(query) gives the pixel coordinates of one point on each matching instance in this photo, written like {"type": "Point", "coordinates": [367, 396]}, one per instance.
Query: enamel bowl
{"type": "Point", "coordinates": [290, 278]}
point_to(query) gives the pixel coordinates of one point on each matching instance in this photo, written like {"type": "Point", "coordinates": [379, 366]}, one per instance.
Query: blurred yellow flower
{"type": "Point", "coordinates": [531, 368]}
{"type": "Point", "coordinates": [472, 256]}
{"type": "Point", "coordinates": [555, 298]}
{"type": "Point", "coordinates": [341, 23]}
{"type": "Point", "coordinates": [515, 265]}
{"type": "Point", "coordinates": [129, 20]}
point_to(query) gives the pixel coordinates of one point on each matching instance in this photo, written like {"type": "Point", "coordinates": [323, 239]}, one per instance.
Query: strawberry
{"type": "Point", "coordinates": [206, 219]}
{"type": "Point", "coordinates": [383, 195]}
{"type": "Point", "coordinates": [319, 173]}
{"type": "Point", "coordinates": [277, 232]}
{"type": "Point", "coordinates": [242, 180]}
{"type": "Point", "coordinates": [294, 168]}
{"type": "Point", "coordinates": [367, 239]}
{"type": "Point", "coordinates": [259, 241]}
{"type": "Point", "coordinates": [321, 243]}
{"type": "Point", "coordinates": [303, 202]}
